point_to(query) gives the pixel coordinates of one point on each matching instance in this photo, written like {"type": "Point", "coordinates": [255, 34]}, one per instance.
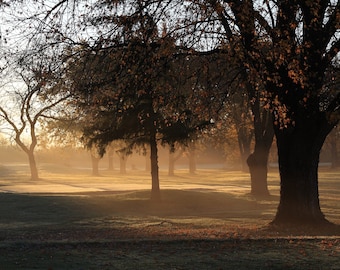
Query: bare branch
{"type": "Point", "coordinates": [54, 8]}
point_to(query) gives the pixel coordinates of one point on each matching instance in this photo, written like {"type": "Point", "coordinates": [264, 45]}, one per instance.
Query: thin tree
{"type": "Point", "coordinates": [27, 107]}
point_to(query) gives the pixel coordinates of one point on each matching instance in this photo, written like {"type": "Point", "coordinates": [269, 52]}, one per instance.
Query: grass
{"type": "Point", "coordinates": [72, 220]}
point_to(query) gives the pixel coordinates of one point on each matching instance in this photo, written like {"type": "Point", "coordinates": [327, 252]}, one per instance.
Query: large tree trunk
{"type": "Point", "coordinates": [33, 166]}
{"type": "Point", "coordinates": [258, 160]}
{"type": "Point", "coordinates": [299, 148]}
{"type": "Point", "coordinates": [258, 169]}
{"type": "Point", "coordinates": [155, 190]}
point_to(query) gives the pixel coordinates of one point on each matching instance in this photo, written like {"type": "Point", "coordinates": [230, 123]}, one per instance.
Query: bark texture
{"type": "Point", "coordinates": [299, 149]}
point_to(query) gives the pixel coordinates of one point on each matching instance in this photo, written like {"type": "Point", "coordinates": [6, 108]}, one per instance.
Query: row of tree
{"type": "Point", "coordinates": [147, 71]}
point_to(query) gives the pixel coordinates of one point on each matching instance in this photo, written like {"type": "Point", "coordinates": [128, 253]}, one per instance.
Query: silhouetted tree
{"type": "Point", "coordinates": [22, 108]}
{"type": "Point", "coordinates": [128, 90]}
{"type": "Point", "coordinates": [303, 44]}
{"type": "Point", "coordinates": [302, 41]}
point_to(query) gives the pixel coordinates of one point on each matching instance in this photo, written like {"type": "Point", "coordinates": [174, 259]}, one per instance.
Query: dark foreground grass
{"type": "Point", "coordinates": [217, 227]}
{"type": "Point", "coordinates": [176, 254]}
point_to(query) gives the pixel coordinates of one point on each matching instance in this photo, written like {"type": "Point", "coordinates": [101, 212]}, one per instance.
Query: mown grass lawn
{"type": "Point", "coordinates": [72, 220]}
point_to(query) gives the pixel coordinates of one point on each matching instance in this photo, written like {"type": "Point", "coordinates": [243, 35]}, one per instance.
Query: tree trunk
{"type": "Point", "coordinates": [192, 157]}
{"type": "Point", "coordinates": [173, 157]}
{"type": "Point", "coordinates": [155, 190]}
{"type": "Point", "coordinates": [243, 122]}
{"type": "Point", "coordinates": [122, 163]}
{"type": "Point", "coordinates": [258, 160]}
{"type": "Point", "coordinates": [110, 157]}
{"type": "Point", "coordinates": [33, 166]}
{"type": "Point", "coordinates": [258, 169]}
{"type": "Point", "coordinates": [30, 154]}
{"type": "Point", "coordinates": [244, 141]}
{"type": "Point", "coordinates": [299, 149]}
{"type": "Point", "coordinates": [95, 165]}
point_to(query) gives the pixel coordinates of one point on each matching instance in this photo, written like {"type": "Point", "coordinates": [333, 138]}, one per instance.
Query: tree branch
{"type": "Point", "coordinates": [40, 113]}
{"type": "Point", "coordinates": [54, 8]}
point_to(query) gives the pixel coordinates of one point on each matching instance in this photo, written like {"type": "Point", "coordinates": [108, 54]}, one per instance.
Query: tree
{"type": "Point", "coordinates": [237, 85]}
{"type": "Point", "coordinates": [128, 89]}
{"type": "Point", "coordinates": [23, 108]}
{"type": "Point", "coordinates": [120, 148]}
{"type": "Point", "coordinates": [128, 116]}
{"type": "Point", "coordinates": [264, 134]}
{"type": "Point", "coordinates": [137, 61]}
{"type": "Point", "coordinates": [247, 106]}
{"type": "Point", "coordinates": [241, 115]}
{"type": "Point", "coordinates": [95, 158]}
{"type": "Point", "coordinates": [175, 153]}
{"type": "Point", "coordinates": [304, 43]}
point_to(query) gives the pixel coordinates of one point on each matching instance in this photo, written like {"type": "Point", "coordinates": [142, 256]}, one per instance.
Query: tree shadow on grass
{"type": "Point", "coordinates": [38, 209]}
{"type": "Point", "coordinates": [45, 209]}
{"type": "Point", "coordinates": [120, 214]}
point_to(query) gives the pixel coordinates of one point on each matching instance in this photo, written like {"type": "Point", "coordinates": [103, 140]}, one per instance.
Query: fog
{"type": "Point", "coordinates": [217, 194]}
{"type": "Point", "coordinates": [69, 162]}
{"type": "Point", "coordinates": [81, 159]}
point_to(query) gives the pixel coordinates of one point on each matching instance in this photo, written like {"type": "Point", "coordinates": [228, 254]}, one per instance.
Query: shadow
{"type": "Point", "coordinates": [28, 216]}
{"type": "Point", "coordinates": [202, 203]}
{"type": "Point", "coordinates": [31, 210]}
{"type": "Point", "coordinates": [34, 209]}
